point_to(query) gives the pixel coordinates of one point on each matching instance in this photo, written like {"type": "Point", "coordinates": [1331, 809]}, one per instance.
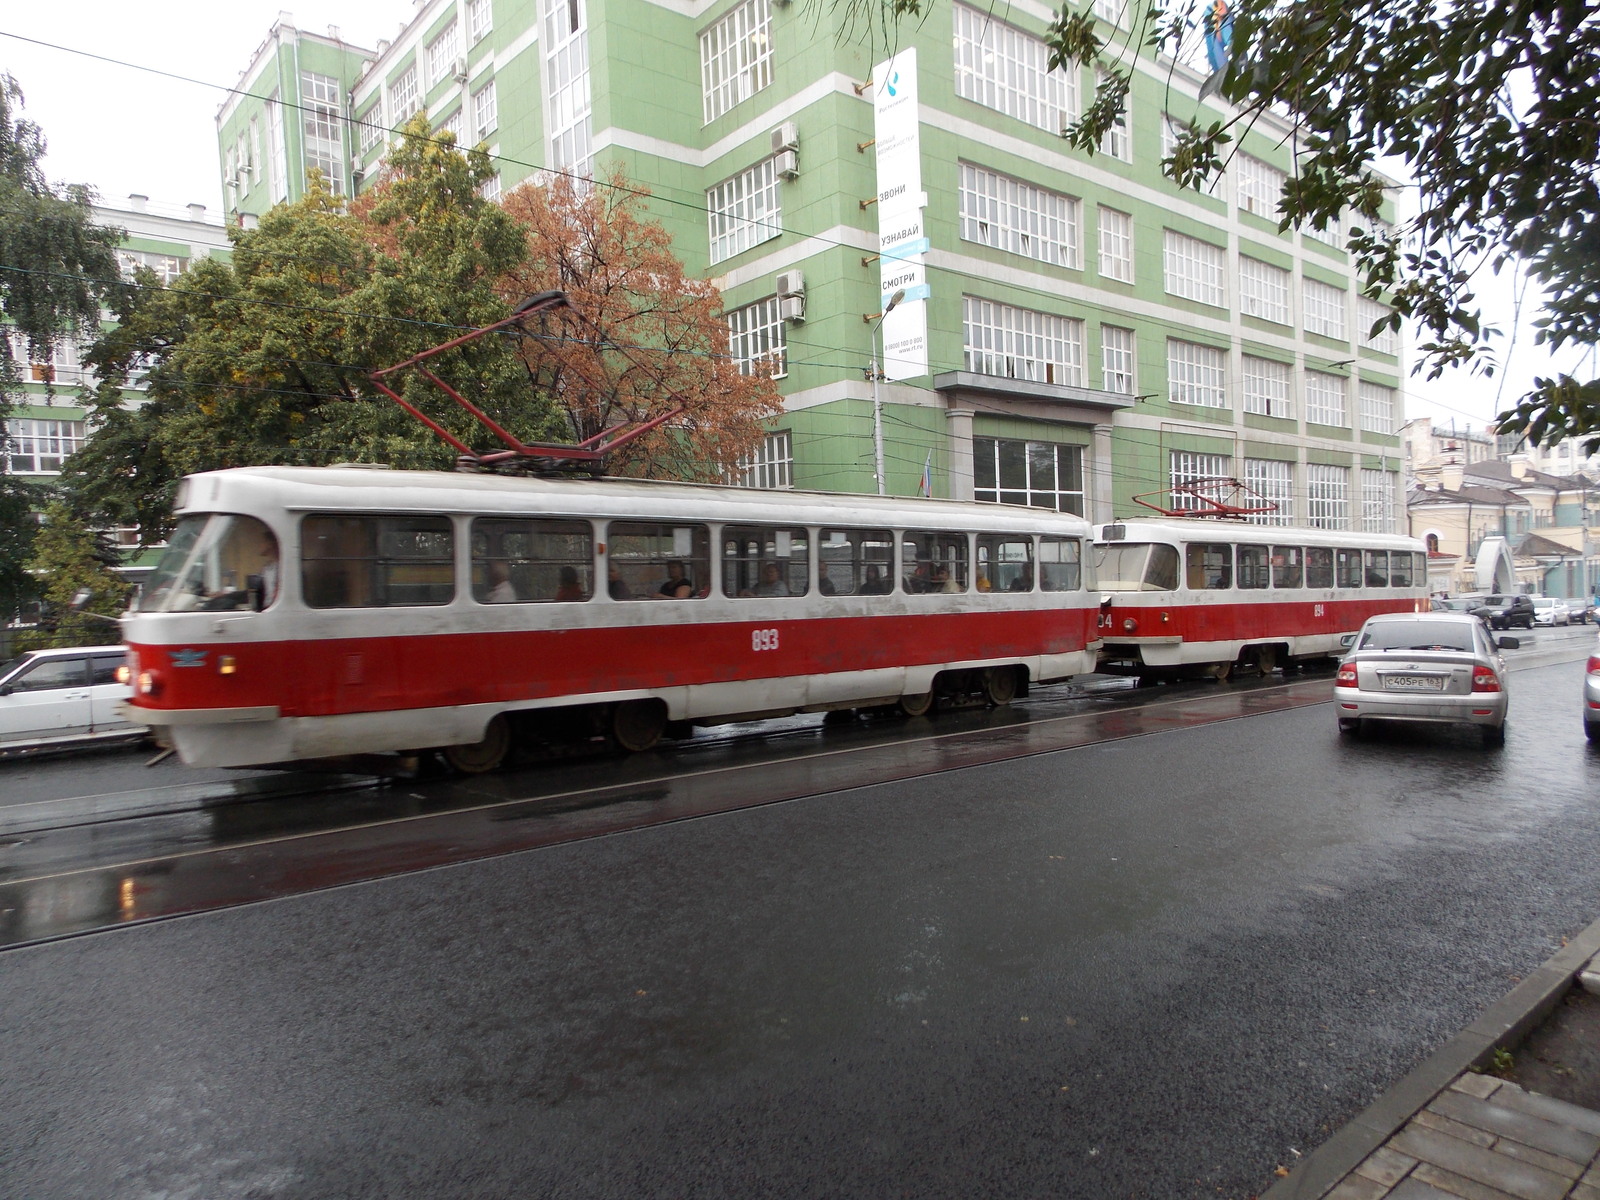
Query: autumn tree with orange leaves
{"type": "Point", "coordinates": [639, 337]}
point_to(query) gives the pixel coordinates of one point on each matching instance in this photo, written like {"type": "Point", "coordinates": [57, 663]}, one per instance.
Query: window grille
{"type": "Point", "coordinates": [1116, 245]}
{"type": "Point", "coordinates": [1196, 374]}
{"type": "Point", "coordinates": [744, 211]}
{"type": "Point", "coordinates": [1274, 481]}
{"type": "Point", "coordinates": [1019, 343]}
{"type": "Point", "coordinates": [1194, 270]}
{"type": "Point", "coordinates": [758, 339]}
{"type": "Point", "coordinates": [1117, 359]}
{"type": "Point", "coordinates": [1263, 291]}
{"type": "Point", "coordinates": [1324, 306]}
{"type": "Point", "coordinates": [736, 57]}
{"type": "Point", "coordinates": [1000, 67]}
{"type": "Point", "coordinates": [998, 211]}
{"type": "Point", "coordinates": [1038, 474]}
{"type": "Point", "coordinates": [1325, 399]}
{"type": "Point", "coordinates": [1328, 496]}
{"type": "Point", "coordinates": [1266, 387]}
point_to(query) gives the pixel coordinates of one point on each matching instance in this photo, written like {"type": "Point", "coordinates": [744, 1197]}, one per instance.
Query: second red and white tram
{"type": "Point", "coordinates": [307, 613]}
{"type": "Point", "coordinates": [1191, 596]}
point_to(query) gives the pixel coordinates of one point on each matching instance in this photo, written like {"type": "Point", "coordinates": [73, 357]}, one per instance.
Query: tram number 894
{"type": "Point", "coordinates": [763, 639]}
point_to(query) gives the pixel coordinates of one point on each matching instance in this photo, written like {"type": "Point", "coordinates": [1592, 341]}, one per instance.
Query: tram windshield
{"type": "Point", "coordinates": [1136, 567]}
{"type": "Point", "coordinates": [214, 562]}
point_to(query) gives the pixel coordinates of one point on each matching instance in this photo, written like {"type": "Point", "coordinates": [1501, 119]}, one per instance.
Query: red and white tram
{"type": "Point", "coordinates": [1190, 596]}
{"type": "Point", "coordinates": [306, 613]}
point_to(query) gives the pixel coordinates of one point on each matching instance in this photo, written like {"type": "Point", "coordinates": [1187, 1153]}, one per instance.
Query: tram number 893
{"type": "Point", "coordinates": [763, 639]}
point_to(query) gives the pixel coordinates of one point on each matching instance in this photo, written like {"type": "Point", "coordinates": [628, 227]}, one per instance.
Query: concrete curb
{"type": "Point", "coordinates": [1504, 1023]}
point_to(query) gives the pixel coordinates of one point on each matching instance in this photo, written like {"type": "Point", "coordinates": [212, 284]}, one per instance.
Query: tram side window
{"type": "Point", "coordinates": [1254, 570]}
{"type": "Point", "coordinates": [1319, 567]}
{"type": "Point", "coordinates": [762, 561]}
{"type": "Point", "coordinates": [1377, 568]}
{"type": "Point", "coordinates": [1288, 566]}
{"type": "Point", "coordinates": [1209, 566]}
{"type": "Point", "coordinates": [934, 563]}
{"type": "Point", "coordinates": [1400, 568]}
{"type": "Point", "coordinates": [1004, 563]}
{"type": "Point", "coordinates": [649, 560]}
{"type": "Point", "coordinates": [1347, 568]}
{"type": "Point", "coordinates": [377, 562]}
{"type": "Point", "coordinates": [1061, 564]}
{"type": "Point", "coordinates": [531, 560]}
{"type": "Point", "coordinates": [856, 562]}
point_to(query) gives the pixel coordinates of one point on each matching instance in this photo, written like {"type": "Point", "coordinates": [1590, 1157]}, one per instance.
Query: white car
{"type": "Point", "coordinates": [56, 696]}
{"type": "Point", "coordinates": [1548, 610]}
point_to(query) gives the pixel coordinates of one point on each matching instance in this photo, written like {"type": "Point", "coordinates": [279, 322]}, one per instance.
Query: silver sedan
{"type": "Point", "coordinates": [1591, 696]}
{"type": "Point", "coordinates": [1432, 668]}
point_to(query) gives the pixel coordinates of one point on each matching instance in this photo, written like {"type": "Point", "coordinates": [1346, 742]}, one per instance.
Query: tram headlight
{"type": "Point", "coordinates": [1129, 624]}
{"type": "Point", "coordinates": [149, 683]}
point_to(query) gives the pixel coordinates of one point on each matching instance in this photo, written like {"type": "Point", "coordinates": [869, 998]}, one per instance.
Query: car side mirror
{"type": "Point", "coordinates": [7, 690]}
{"type": "Point", "coordinates": [1507, 643]}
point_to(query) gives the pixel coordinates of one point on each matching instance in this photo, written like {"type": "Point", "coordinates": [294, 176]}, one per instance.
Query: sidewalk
{"type": "Point", "coordinates": [1446, 1133]}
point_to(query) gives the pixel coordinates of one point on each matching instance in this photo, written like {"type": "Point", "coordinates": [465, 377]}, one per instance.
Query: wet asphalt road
{"type": "Point", "coordinates": [1153, 967]}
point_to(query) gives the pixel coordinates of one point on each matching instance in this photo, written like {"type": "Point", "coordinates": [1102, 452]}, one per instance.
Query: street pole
{"type": "Point", "coordinates": [877, 403]}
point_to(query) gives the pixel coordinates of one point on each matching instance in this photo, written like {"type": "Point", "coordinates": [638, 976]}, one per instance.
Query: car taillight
{"type": "Point", "coordinates": [1346, 676]}
{"type": "Point", "coordinates": [1594, 664]}
{"type": "Point", "coordinates": [1485, 680]}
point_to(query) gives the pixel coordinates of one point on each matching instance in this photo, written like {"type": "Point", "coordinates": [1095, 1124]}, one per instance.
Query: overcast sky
{"type": "Point", "coordinates": [149, 126]}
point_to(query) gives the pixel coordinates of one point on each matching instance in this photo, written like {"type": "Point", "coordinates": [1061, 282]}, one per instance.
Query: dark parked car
{"type": "Point", "coordinates": [1506, 612]}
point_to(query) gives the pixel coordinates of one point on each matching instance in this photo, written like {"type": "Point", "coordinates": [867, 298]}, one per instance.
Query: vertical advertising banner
{"type": "Point", "coordinates": [902, 242]}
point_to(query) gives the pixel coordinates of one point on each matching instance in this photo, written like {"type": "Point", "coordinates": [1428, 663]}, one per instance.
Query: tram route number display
{"type": "Point", "coordinates": [763, 639]}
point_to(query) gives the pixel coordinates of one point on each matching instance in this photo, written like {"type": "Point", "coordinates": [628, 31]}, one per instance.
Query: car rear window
{"type": "Point", "coordinates": [1417, 635]}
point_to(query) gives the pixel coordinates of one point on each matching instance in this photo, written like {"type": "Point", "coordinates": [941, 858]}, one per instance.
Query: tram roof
{"type": "Point", "coordinates": [1211, 529]}
{"type": "Point", "coordinates": [256, 490]}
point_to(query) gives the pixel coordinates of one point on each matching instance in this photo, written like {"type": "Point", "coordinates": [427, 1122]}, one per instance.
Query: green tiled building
{"type": "Point", "coordinates": [1075, 328]}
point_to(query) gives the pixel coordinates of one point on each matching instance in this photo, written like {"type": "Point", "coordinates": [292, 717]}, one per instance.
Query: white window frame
{"type": "Point", "coordinates": [405, 97]}
{"type": "Point", "coordinates": [1327, 496]}
{"type": "Point", "coordinates": [770, 465]}
{"type": "Point", "coordinates": [1002, 68]}
{"type": "Point", "coordinates": [1193, 269]}
{"type": "Point", "coordinates": [1119, 360]}
{"type": "Point", "coordinates": [277, 150]}
{"type": "Point", "coordinates": [1369, 312]}
{"type": "Point", "coordinates": [1116, 244]}
{"type": "Point", "coordinates": [1273, 479]}
{"type": "Point", "coordinates": [1117, 141]}
{"type": "Point", "coordinates": [1327, 400]}
{"type": "Point", "coordinates": [758, 338]}
{"type": "Point", "coordinates": [322, 106]}
{"type": "Point", "coordinates": [1040, 485]}
{"type": "Point", "coordinates": [1266, 387]}
{"type": "Point", "coordinates": [1257, 186]}
{"type": "Point", "coordinates": [1264, 291]}
{"type": "Point", "coordinates": [1021, 343]}
{"type": "Point", "coordinates": [744, 211]}
{"type": "Point", "coordinates": [480, 19]}
{"type": "Point", "coordinates": [1377, 406]}
{"type": "Point", "coordinates": [443, 54]}
{"type": "Point", "coordinates": [1377, 500]}
{"type": "Point", "coordinates": [485, 113]}
{"type": "Point", "coordinates": [1324, 309]}
{"type": "Point", "coordinates": [1008, 214]}
{"type": "Point", "coordinates": [568, 99]}
{"type": "Point", "coordinates": [1186, 466]}
{"type": "Point", "coordinates": [35, 446]}
{"type": "Point", "coordinates": [736, 57]}
{"type": "Point", "coordinates": [1197, 374]}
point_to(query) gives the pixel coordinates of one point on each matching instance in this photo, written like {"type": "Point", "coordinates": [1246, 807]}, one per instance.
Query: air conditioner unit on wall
{"type": "Point", "coordinates": [788, 164]}
{"type": "Point", "coordinates": [461, 70]}
{"type": "Point", "coordinates": [785, 137]}
{"type": "Point", "coordinates": [791, 283]}
{"type": "Point", "coordinates": [792, 308]}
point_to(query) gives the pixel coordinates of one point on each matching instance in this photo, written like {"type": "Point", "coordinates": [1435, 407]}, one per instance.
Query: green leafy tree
{"type": "Point", "coordinates": [69, 558]}
{"type": "Point", "coordinates": [57, 269]}
{"type": "Point", "coordinates": [267, 358]}
{"type": "Point", "coordinates": [1490, 107]}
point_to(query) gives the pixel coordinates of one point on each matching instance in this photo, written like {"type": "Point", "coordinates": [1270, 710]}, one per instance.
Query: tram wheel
{"type": "Point", "coordinates": [637, 725]}
{"type": "Point", "coordinates": [478, 757]}
{"type": "Point", "coordinates": [1000, 685]}
{"type": "Point", "coordinates": [917, 706]}
{"type": "Point", "coordinates": [1220, 671]}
